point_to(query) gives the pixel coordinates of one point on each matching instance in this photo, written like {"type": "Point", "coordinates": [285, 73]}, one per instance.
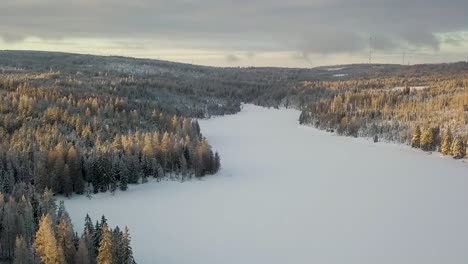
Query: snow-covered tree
{"type": "Point", "coordinates": [416, 140]}
{"type": "Point", "coordinates": [446, 144]}
{"type": "Point", "coordinates": [458, 149]}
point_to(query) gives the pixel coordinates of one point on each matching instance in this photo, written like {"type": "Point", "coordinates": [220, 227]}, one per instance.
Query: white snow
{"type": "Point", "coordinates": [292, 194]}
{"type": "Point", "coordinates": [340, 75]}
{"type": "Point", "coordinates": [336, 69]}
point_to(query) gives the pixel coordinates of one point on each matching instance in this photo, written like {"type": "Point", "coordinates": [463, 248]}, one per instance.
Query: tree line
{"type": "Point", "coordinates": [33, 229]}
{"type": "Point", "coordinates": [75, 138]}
{"type": "Point", "coordinates": [426, 112]}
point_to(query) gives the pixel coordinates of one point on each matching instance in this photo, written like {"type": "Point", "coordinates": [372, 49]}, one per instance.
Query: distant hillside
{"type": "Point", "coordinates": [40, 61]}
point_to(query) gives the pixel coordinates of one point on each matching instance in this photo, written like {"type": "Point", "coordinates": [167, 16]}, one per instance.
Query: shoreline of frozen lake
{"type": "Point", "coordinates": [293, 194]}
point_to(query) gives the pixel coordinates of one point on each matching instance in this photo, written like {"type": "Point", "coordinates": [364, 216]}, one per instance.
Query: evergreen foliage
{"type": "Point", "coordinates": [33, 232]}
{"type": "Point", "coordinates": [416, 140]}
{"type": "Point", "coordinates": [446, 145]}
{"type": "Point", "coordinates": [458, 149]}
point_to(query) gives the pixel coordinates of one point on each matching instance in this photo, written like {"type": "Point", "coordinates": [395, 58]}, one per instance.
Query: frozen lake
{"type": "Point", "coordinates": [292, 194]}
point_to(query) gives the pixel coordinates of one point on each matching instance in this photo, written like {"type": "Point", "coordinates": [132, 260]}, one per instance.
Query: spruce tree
{"type": "Point", "coordinates": [458, 150]}
{"type": "Point", "coordinates": [416, 140]}
{"type": "Point", "coordinates": [123, 175]}
{"type": "Point", "coordinates": [446, 144]}
{"type": "Point", "coordinates": [89, 227]}
{"type": "Point", "coordinates": [88, 237]}
{"type": "Point", "coordinates": [96, 238]}
{"type": "Point", "coordinates": [427, 140]}
{"type": "Point", "coordinates": [117, 237]}
{"type": "Point", "coordinates": [126, 248]}
{"type": "Point", "coordinates": [123, 185]}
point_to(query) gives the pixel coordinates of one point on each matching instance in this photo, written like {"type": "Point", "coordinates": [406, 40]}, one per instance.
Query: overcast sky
{"type": "Point", "coordinates": [290, 33]}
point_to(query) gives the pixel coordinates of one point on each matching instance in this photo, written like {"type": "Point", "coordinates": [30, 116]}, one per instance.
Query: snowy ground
{"type": "Point", "coordinates": [291, 194]}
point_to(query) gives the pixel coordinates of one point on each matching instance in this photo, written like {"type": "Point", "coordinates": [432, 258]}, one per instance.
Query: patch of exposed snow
{"type": "Point", "coordinates": [340, 75]}
{"type": "Point", "coordinates": [336, 69]}
{"type": "Point", "coordinates": [293, 194]}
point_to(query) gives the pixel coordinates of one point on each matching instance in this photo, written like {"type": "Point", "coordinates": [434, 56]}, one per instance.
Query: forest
{"type": "Point", "coordinates": [35, 230]}
{"type": "Point", "coordinates": [80, 124]}
{"type": "Point", "coordinates": [71, 138]}
{"type": "Point", "coordinates": [426, 112]}
{"type": "Point", "coordinates": [83, 133]}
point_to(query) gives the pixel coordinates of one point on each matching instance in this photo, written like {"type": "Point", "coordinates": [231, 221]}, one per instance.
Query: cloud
{"type": "Point", "coordinates": [12, 38]}
{"type": "Point", "coordinates": [421, 38]}
{"type": "Point", "coordinates": [250, 55]}
{"type": "Point", "coordinates": [232, 58]}
{"type": "Point", "coordinates": [327, 41]}
{"type": "Point", "coordinates": [305, 26]}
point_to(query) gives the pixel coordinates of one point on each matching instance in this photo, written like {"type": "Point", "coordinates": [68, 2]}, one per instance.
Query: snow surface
{"type": "Point", "coordinates": [340, 75]}
{"type": "Point", "coordinates": [336, 69]}
{"type": "Point", "coordinates": [292, 194]}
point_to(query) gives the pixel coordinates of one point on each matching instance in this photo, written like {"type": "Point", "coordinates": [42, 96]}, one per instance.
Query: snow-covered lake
{"type": "Point", "coordinates": [292, 194]}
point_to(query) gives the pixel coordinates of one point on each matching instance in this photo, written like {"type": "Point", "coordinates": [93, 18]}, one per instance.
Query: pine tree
{"type": "Point", "coordinates": [427, 140]}
{"type": "Point", "coordinates": [88, 237]}
{"type": "Point", "coordinates": [45, 243]}
{"type": "Point", "coordinates": [105, 246]}
{"type": "Point", "coordinates": [133, 169]}
{"type": "Point", "coordinates": [117, 237]}
{"type": "Point", "coordinates": [89, 227]}
{"type": "Point", "coordinates": [416, 140]}
{"type": "Point", "coordinates": [446, 144]}
{"type": "Point", "coordinates": [103, 220]}
{"type": "Point", "coordinates": [97, 238]}
{"type": "Point", "coordinates": [458, 150]}
{"type": "Point", "coordinates": [126, 248]}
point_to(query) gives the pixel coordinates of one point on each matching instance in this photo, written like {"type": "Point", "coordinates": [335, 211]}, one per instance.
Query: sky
{"type": "Point", "coordinates": [293, 33]}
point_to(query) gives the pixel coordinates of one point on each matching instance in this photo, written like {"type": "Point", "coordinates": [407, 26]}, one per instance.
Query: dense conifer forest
{"type": "Point", "coordinates": [426, 112]}
{"type": "Point", "coordinates": [34, 229]}
{"type": "Point", "coordinates": [81, 124]}
{"type": "Point", "coordinates": [73, 135]}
